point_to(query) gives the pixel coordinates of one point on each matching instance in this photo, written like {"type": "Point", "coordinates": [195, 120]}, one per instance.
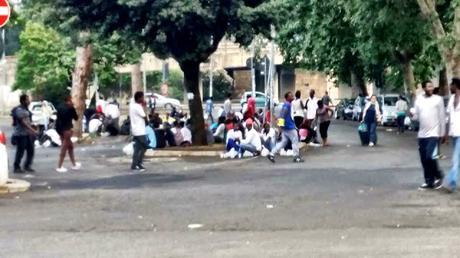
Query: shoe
{"type": "Point", "coordinates": [298, 159]}
{"type": "Point", "coordinates": [424, 187]}
{"type": "Point", "coordinates": [18, 171]}
{"type": "Point", "coordinates": [77, 166]}
{"type": "Point", "coordinates": [61, 170]}
{"type": "Point", "coordinates": [371, 144]}
{"type": "Point", "coordinates": [138, 168]}
{"type": "Point", "coordinates": [271, 157]}
{"type": "Point", "coordinates": [437, 184]}
{"type": "Point", "coordinates": [29, 170]}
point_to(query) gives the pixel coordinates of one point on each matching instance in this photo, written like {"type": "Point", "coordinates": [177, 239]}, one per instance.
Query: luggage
{"type": "Point", "coordinates": [363, 134]}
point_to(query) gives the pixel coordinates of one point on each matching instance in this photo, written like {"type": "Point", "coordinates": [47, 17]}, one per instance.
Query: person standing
{"type": "Point", "coordinates": [323, 115]}
{"type": "Point", "coordinates": [65, 114]}
{"type": "Point", "coordinates": [312, 106]}
{"type": "Point", "coordinates": [24, 135]}
{"type": "Point", "coordinates": [453, 117]}
{"type": "Point", "coordinates": [429, 111]}
{"type": "Point", "coordinates": [327, 100]}
{"type": "Point", "coordinates": [298, 109]}
{"type": "Point", "coordinates": [209, 109]}
{"type": "Point", "coordinates": [138, 123]}
{"type": "Point", "coordinates": [372, 116]}
{"type": "Point", "coordinates": [401, 112]}
{"type": "Point", "coordinates": [228, 105]}
{"type": "Point", "coordinates": [288, 131]}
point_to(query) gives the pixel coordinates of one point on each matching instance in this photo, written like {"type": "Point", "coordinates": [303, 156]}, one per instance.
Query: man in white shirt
{"type": "Point", "coordinates": [312, 106]}
{"type": "Point", "coordinates": [430, 111]}
{"type": "Point", "coordinates": [453, 116]}
{"type": "Point", "coordinates": [138, 122]}
{"type": "Point", "coordinates": [268, 137]}
{"type": "Point", "coordinates": [252, 142]}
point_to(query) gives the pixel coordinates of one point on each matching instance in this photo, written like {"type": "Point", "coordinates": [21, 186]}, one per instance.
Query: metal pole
{"type": "Point", "coordinates": [5, 67]}
{"type": "Point", "coordinates": [211, 75]}
{"type": "Point", "coordinates": [144, 80]}
{"type": "Point", "coordinates": [163, 70]}
{"type": "Point", "coordinates": [272, 75]}
{"type": "Point", "coordinates": [253, 71]}
{"type": "Point", "coordinates": [119, 84]}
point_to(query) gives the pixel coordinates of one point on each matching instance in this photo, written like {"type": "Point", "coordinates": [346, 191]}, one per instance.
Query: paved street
{"type": "Point", "coordinates": [345, 201]}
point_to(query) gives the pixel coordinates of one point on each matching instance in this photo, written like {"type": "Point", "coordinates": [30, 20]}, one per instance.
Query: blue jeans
{"type": "Point", "coordinates": [453, 173]}
{"type": "Point", "coordinates": [428, 148]}
{"type": "Point", "coordinates": [288, 135]}
{"type": "Point", "coordinates": [372, 129]}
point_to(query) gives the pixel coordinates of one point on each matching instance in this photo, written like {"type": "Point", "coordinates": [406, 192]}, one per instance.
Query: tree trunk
{"type": "Point", "coordinates": [408, 75]}
{"type": "Point", "coordinates": [443, 83]}
{"type": "Point", "coordinates": [136, 78]}
{"type": "Point", "coordinates": [191, 82]}
{"type": "Point", "coordinates": [357, 81]}
{"type": "Point", "coordinates": [451, 56]}
{"type": "Point", "coordinates": [80, 80]}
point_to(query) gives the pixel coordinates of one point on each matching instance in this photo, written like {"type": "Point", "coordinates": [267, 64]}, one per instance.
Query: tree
{"type": "Point", "coordinates": [390, 33]}
{"type": "Point", "coordinates": [188, 31]}
{"type": "Point", "coordinates": [314, 34]}
{"type": "Point", "coordinates": [446, 31]}
{"type": "Point", "coordinates": [44, 62]}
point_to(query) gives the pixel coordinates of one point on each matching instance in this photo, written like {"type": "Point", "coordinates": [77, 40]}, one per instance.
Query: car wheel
{"type": "Point", "coordinates": [169, 105]}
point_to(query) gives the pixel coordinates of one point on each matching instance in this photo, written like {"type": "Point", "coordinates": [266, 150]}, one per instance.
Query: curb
{"type": "Point", "coordinates": [14, 186]}
{"type": "Point", "coordinates": [188, 153]}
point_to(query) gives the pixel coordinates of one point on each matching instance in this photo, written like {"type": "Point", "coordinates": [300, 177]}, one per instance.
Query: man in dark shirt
{"type": "Point", "coordinates": [24, 136]}
{"type": "Point", "coordinates": [66, 113]}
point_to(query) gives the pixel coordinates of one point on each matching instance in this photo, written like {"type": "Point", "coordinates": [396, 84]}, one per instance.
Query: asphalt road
{"type": "Point", "coordinates": [345, 201]}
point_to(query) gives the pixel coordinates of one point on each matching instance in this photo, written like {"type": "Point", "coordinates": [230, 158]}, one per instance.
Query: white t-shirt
{"type": "Point", "coordinates": [253, 138]}
{"type": "Point", "coordinates": [137, 117]}
{"type": "Point", "coordinates": [297, 110]}
{"type": "Point", "coordinates": [454, 118]}
{"type": "Point", "coordinates": [187, 134]}
{"type": "Point", "coordinates": [112, 110]}
{"type": "Point", "coordinates": [232, 134]}
{"type": "Point", "coordinates": [312, 106]}
{"type": "Point", "coordinates": [430, 112]}
{"type": "Point", "coordinates": [94, 125]}
{"type": "Point", "coordinates": [271, 134]}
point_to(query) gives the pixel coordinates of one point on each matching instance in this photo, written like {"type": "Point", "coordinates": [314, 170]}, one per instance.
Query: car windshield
{"type": "Point", "coordinates": [390, 101]}
{"type": "Point", "coordinates": [37, 108]}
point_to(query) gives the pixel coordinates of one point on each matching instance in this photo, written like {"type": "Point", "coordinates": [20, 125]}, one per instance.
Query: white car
{"type": "Point", "coordinates": [160, 101]}
{"type": "Point", "coordinates": [42, 112]}
{"type": "Point", "coordinates": [3, 159]}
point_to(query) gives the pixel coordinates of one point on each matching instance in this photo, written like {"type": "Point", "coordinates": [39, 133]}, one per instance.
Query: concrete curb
{"type": "Point", "coordinates": [193, 153]}
{"type": "Point", "coordinates": [14, 186]}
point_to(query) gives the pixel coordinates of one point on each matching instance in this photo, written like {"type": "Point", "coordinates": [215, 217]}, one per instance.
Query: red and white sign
{"type": "Point", "coordinates": [5, 12]}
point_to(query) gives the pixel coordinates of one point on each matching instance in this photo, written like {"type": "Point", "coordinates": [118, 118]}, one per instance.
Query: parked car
{"type": "Point", "coordinates": [160, 101]}
{"type": "Point", "coordinates": [344, 110]}
{"type": "Point", "coordinates": [261, 99]}
{"type": "Point", "coordinates": [388, 107]}
{"type": "Point", "coordinates": [3, 159]}
{"type": "Point", "coordinates": [42, 112]}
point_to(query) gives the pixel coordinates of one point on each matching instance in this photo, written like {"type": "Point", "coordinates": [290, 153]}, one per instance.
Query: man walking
{"type": "Point", "coordinates": [453, 116]}
{"type": "Point", "coordinates": [288, 131]}
{"type": "Point", "coordinates": [401, 111]}
{"type": "Point", "coordinates": [429, 110]}
{"type": "Point", "coordinates": [138, 122]}
{"type": "Point", "coordinates": [327, 100]}
{"type": "Point", "coordinates": [24, 135]}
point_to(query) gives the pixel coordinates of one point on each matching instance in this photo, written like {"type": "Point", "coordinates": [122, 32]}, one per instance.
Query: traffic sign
{"type": "Point", "coordinates": [5, 12]}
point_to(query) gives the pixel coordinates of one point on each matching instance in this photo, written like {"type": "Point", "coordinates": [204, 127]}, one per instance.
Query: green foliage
{"type": "Point", "coordinates": [175, 83]}
{"type": "Point", "coordinates": [44, 62]}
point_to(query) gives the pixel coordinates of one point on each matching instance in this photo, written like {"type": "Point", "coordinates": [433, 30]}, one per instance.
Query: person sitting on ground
{"type": "Point", "coordinates": [219, 134]}
{"type": "Point", "coordinates": [234, 135]}
{"type": "Point", "coordinates": [168, 134]}
{"type": "Point", "coordinates": [186, 133]}
{"type": "Point", "coordinates": [251, 143]}
{"type": "Point", "coordinates": [268, 137]}
{"type": "Point", "coordinates": [176, 130]}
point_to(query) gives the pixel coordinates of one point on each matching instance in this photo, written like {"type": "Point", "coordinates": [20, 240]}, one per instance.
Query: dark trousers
{"type": "Point", "coordinates": [298, 120]}
{"type": "Point", "coordinates": [428, 148]}
{"type": "Point", "coordinates": [24, 144]}
{"type": "Point", "coordinates": [140, 146]}
{"type": "Point", "coordinates": [323, 128]}
{"type": "Point", "coordinates": [400, 121]}
{"type": "Point", "coordinates": [372, 129]}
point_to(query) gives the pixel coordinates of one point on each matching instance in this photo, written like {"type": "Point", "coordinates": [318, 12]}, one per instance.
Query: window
{"type": "Point", "coordinates": [390, 101]}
